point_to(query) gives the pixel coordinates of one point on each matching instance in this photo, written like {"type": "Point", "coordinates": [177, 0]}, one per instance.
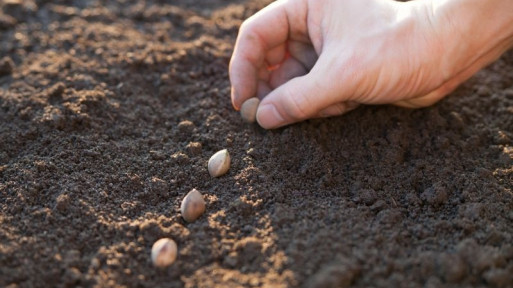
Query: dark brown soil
{"type": "Point", "coordinates": [110, 112]}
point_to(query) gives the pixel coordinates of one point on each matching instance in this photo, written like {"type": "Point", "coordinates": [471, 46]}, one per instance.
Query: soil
{"type": "Point", "coordinates": [110, 112]}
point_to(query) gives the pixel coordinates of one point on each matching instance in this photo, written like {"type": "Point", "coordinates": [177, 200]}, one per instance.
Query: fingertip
{"type": "Point", "coordinates": [269, 117]}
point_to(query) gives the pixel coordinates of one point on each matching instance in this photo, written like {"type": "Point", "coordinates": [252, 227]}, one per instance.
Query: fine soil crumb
{"type": "Point", "coordinates": [110, 110]}
{"type": "Point", "coordinates": [435, 195]}
{"type": "Point", "coordinates": [7, 21]}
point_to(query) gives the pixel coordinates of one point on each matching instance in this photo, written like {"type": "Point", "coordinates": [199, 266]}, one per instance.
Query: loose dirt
{"type": "Point", "coordinates": [110, 112]}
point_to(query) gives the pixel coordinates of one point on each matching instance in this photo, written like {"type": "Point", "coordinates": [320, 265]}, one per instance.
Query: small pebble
{"type": "Point", "coordinates": [6, 66]}
{"type": "Point", "coordinates": [219, 163]}
{"type": "Point", "coordinates": [163, 252]}
{"type": "Point", "coordinates": [193, 206]}
{"type": "Point", "coordinates": [62, 203]}
{"type": "Point", "coordinates": [248, 110]}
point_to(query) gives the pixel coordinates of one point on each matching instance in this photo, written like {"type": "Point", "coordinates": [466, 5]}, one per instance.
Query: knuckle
{"type": "Point", "coordinates": [244, 27]}
{"type": "Point", "coordinates": [248, 29]}
{"type": "Point", "coordinates": [298, 103]}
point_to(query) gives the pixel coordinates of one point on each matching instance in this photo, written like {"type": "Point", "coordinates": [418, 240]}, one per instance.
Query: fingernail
{"type": "Point", "coordinates": [335, 110]}
{"type": "Point", "coordinates": [234, 96]}
{"type": "Point", "coordinates": [325, 113]}
{"type": "Point", "coordinates": [268, 117]}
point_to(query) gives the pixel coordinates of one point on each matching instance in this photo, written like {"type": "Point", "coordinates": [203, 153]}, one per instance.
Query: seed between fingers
{"type": "Point", "coordinates": [248, 110]}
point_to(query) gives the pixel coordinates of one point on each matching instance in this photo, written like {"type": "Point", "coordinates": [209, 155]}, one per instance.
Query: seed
{"type": "Point", "coordinates": [248, 110]}
{"type": "Point", "coordinates": [219, 163]}
{"type": "Point", "coordinates": [193, 206]}
{"type": "Point", "coordinates": [163, 252]}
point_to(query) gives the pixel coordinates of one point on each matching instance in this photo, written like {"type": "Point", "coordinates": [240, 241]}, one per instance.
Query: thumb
{"type": "Point", "coordinates": [298, 99]}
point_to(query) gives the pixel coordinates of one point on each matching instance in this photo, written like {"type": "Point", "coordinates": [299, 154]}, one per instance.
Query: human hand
{"type": "Point", "coordinates": [308, 59]}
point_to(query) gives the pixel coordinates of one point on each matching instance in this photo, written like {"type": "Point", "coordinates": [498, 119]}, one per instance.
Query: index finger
{"type": "Point", "coordinates": [268, 28]}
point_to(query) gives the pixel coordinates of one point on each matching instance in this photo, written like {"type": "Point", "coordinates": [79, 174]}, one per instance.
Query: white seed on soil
{"type": "Point", "coordinates": [193, 206]}
{"type": "Point", "coordinates": [248, 109]}
{"type": "Point", "coordinates": [219, 163]}
{"type": "Point", "coordinates": [163, 252]}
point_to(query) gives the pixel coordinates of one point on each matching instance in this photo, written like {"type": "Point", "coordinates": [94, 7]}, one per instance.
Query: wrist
{"type": "Point", "coordinates": [470, 29]}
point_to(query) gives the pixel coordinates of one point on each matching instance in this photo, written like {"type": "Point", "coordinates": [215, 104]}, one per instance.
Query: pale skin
{"type": "Point", "coordinates": [319, 58]}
